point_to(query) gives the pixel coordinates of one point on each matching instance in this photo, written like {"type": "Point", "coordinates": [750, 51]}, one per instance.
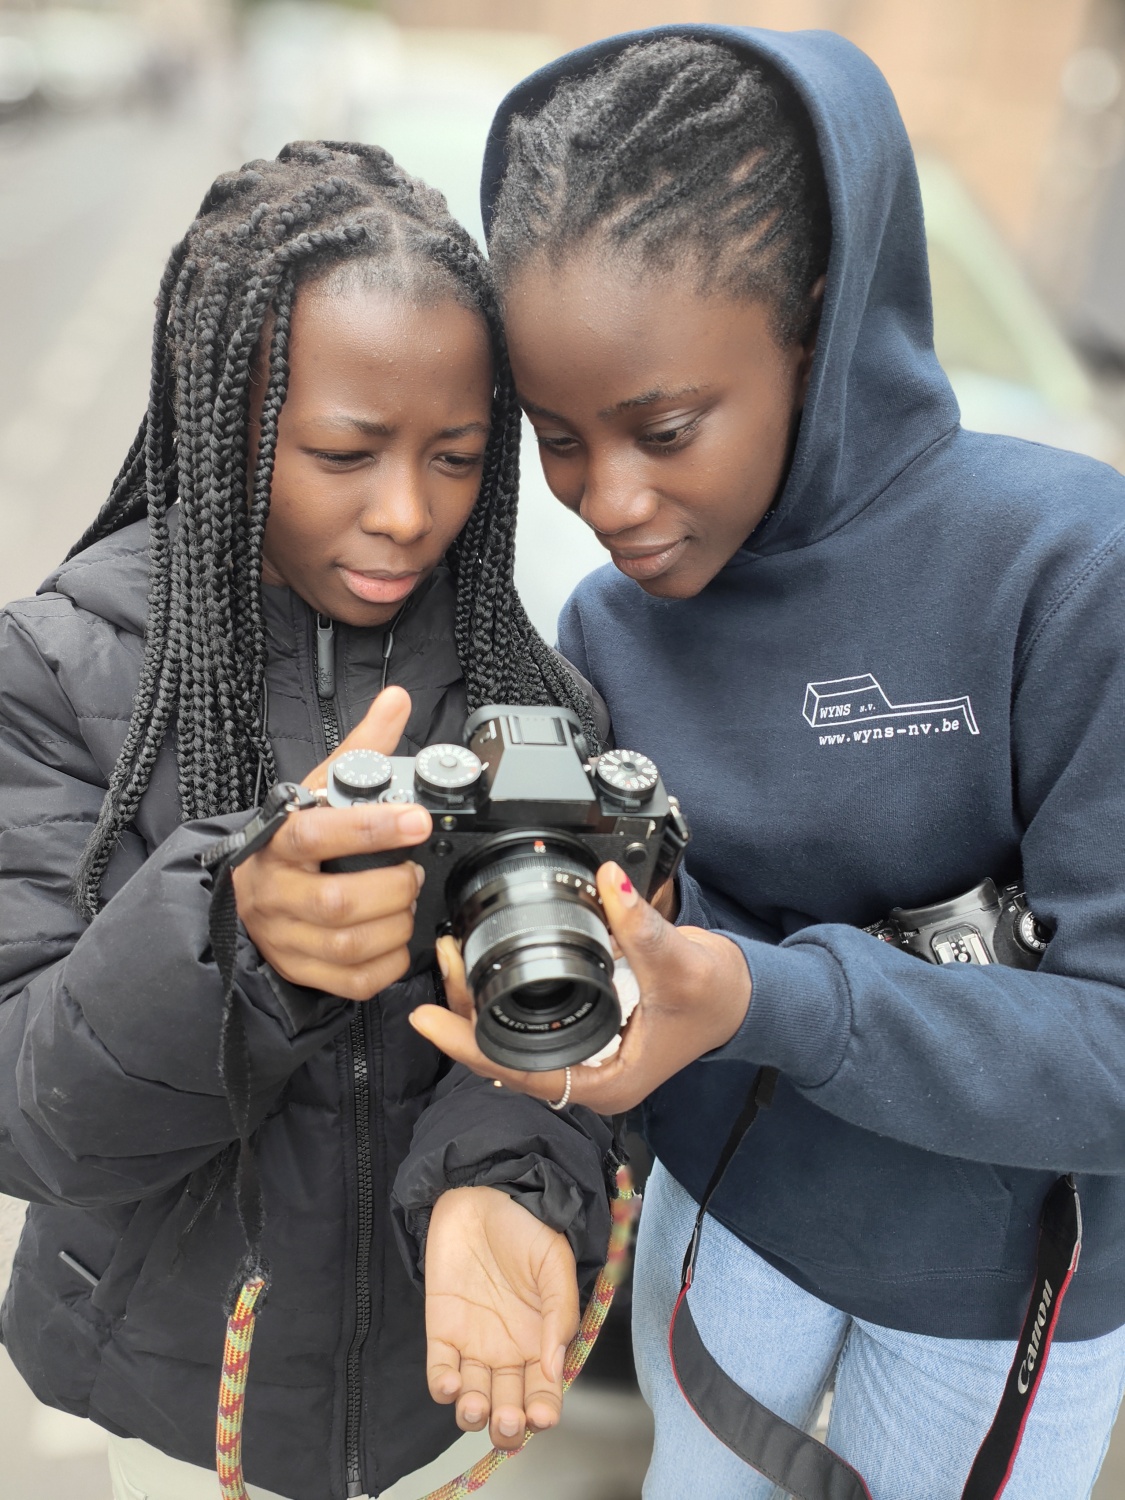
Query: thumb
{"type": "Point", "coordinates": [381, 728]}
{"type": "Point", "coordinates": [640, 930]}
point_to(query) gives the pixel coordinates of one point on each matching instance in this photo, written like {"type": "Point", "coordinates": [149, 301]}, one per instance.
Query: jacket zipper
{"type": "Point", "coordinates": [361, 1106]}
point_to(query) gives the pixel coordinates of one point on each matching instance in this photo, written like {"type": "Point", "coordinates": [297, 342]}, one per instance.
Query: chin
{"type": "Point", "coordinates": [364, 616]}
{"type": "Point", "coordinates": [671, 586]}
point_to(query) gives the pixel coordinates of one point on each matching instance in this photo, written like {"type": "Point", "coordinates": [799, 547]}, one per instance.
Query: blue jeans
{"type": "Point", "coordinates": [909, 1411]}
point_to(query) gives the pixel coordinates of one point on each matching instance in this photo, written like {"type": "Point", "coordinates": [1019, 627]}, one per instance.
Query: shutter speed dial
{"type": "Point", "coordinates": [626, 776]}
{"type": "Point", "coordinates": [446, 772]}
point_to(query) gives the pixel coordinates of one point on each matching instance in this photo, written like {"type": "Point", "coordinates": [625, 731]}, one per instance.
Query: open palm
{"type": "Point", "coordinates": [501, 1307]}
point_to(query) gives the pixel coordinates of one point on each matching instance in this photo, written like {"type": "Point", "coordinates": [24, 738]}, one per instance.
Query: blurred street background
{"type": "Point", "coordinates": [116, 114]}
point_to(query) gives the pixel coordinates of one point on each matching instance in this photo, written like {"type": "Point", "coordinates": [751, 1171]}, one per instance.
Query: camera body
{"type": "Point", "coordinates": [987, 925]}
{"type": "Point", "coordinates": [523, 817]}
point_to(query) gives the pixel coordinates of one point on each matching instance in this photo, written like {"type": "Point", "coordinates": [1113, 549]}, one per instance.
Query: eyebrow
{"type": "Point", "coordinates": [649, 398]}
{"type": "Point", "coordinates": [383, 429]}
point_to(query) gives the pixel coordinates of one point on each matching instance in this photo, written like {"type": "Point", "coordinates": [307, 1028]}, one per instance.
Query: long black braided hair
{"type": "Point", "coordinates": [679, 153]}
{"type": "Point", "coordinates": [229, 288]}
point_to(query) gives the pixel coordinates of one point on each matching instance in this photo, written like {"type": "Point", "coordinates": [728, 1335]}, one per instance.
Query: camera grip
{"type": "Point", "coordinates": [430, 918]}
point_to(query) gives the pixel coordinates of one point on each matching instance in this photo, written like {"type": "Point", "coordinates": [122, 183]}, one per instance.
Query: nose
{"type": "Point", "coordinates": [615, 498]}
{"type": "Point", "coordinates": [397, 505]}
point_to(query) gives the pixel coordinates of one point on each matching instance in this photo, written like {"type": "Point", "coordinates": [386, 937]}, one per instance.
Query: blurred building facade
{"type": "Point", "coordinates": [1023, 98]}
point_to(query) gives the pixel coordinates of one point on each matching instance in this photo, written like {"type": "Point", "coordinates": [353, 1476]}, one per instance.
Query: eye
{"type": "Point", "coordinates": [336, 460]}
{"type": "Point", "coordinates": [665, 438]}
{"type": "Point", "coordinates": [560, 443]}
{"type": "Point", "coordinates": [460, 463]}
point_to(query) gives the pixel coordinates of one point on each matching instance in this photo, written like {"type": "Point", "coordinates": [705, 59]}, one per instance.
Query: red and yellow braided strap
{"type": "Point", "coordinates": [240, 1332]}
{"type": "Point", "coordinates": [232, 1391]}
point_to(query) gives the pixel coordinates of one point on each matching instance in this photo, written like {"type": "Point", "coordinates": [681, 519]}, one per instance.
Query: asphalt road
{"type": "Point", "coordinates": [89, 208]}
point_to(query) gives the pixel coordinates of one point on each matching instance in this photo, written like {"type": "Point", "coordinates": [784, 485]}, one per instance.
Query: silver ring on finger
{"type": "Point", "coordinates": [565, 1100]}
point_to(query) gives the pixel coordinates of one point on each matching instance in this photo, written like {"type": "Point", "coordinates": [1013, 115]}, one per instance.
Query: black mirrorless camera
{"type": "Point", "coordinates": [987, 925]}
{"type": "Point", "coordinates": [523, 817]}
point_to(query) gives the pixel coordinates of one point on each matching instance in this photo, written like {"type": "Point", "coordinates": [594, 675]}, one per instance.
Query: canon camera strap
{"type": "Point", "coordinates": [794, 1460]}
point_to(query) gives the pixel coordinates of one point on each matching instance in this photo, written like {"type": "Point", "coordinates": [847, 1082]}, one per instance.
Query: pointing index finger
{"type": "Point", "coordinates": [381, 728]}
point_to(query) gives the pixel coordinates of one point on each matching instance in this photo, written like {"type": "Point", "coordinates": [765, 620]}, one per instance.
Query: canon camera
{"type": "Point", "coordinates": [987, 925]}
{"type": "Point", "coordinates": [523, 816]}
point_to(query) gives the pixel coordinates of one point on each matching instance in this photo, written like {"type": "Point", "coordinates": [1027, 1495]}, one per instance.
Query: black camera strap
{"type": "Point", "coordinates": [794, 1460]}
{"type": "Point", "coordinates": [221, 858]}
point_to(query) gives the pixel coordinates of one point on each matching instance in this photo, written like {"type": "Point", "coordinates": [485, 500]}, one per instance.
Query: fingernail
{"type": "Point", "coordinates": [559, 1360]}
{"type": "Point", "coordinates": [472, 1414]}
{"type": "Point", "coordinates": [627, 892]}
{"type": "Point", "coordinates": [413, 823]}
{"type": "Point", "coordinates": [419, 873]}
{"type": "Point", "coordinates": [509, 1426]}
{"type": "Point", "coordinates": [442, 962]}
{"type": "Point", "coordinates": [449, 1385]}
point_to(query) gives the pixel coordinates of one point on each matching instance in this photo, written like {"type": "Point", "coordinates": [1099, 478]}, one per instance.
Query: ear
{"type": "Point", "coordinates": [808, 349]}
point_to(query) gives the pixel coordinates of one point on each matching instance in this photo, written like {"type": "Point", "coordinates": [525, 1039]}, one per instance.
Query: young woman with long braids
{"type": "Point", "coordinates": [320, 502]}
{"type": "Point", "coordinates": [880, 659]}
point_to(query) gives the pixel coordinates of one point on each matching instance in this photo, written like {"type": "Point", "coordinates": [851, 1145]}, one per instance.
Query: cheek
{"type": "Point", "coordinates": [565, 478]}
{"type": "Point", "coordinates": [746, 460]}
{"type": "Point", "coordinates": [453, 511]}
{"type": "Point", "coordinates": [299, 525]}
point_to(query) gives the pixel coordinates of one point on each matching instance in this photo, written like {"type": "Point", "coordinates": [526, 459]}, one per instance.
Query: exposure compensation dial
{"type": "Point", "coordinates": [626, 776]}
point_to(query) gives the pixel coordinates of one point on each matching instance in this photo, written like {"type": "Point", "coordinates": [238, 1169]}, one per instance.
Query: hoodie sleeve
{"type": "Point", "coordinates": [1015, 1068]}
{"type": "Point", "coordinates": [109, 1032]}
{"type": "Point", "coordinates": [558, 1164]}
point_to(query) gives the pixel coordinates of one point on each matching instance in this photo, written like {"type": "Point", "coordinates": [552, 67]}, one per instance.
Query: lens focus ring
{"type": "Point", "coordinates": [550, 920]}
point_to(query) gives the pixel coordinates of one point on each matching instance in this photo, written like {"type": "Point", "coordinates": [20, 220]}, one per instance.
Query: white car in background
{"type": "Point", "coordinates": [71, 59]}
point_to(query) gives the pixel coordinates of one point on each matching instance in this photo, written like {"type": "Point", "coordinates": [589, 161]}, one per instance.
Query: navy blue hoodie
{"type": "Point", "coordinates": [910, 677]}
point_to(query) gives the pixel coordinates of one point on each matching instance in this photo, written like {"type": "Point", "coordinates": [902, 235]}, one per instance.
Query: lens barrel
{"type": "Point", "coordinates": [536, 948]}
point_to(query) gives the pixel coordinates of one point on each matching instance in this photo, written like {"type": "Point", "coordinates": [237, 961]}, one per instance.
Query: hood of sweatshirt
{"type": "Point", "coordinates": [877, 396]}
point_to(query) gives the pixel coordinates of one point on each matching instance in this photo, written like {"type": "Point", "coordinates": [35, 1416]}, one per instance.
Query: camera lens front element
{"type": "Point", "coordinates": [446, 772]}
{"type": "Point", "coordinates": [359, 776]}
{"type": "Point", "coordinates": [626, 777]}
{"type": "Point", "coordinates": [537, 950]}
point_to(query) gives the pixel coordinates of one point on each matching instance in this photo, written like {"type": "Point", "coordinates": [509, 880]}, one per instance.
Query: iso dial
{"type": "Point", "coordinates": [362, 774]}
{"type": "Point", "coordinates": [626, 776]}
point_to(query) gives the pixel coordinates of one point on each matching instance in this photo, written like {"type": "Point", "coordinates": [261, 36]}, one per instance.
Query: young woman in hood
{"type": "Point", "coordinates": [879, 658]}
{"type": "Point", "coordinates": [320, 502]}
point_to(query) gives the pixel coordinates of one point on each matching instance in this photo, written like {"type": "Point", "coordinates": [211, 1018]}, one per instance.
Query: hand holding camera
{"type": "Point", "coordinates": [347, 935]}
{"type": "Point", "coordinates": [694, 988]}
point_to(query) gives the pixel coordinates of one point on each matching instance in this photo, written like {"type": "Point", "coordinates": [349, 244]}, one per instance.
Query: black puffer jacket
{"type": "Point", "coordinates": [111, 1107]}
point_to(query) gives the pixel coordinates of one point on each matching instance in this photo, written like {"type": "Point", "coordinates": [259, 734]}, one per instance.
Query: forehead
{"type": "Point", "coordinates": [344, 334]}
{"type": "Point", "coordinates": [606, 318]}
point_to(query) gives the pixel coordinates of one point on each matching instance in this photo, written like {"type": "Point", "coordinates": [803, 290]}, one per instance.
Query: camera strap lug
{"type": "Point", "coordinates": [282, 799]}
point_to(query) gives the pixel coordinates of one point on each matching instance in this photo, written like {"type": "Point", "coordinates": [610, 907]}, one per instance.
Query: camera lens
{"type": "Point", "coordinates": [537, 951]}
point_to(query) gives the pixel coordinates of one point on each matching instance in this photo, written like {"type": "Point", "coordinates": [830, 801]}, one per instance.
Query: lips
{"type": "Point", "coordinates": [645, 563]}
{"type": "Point", "coordinates": [379, 586]}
